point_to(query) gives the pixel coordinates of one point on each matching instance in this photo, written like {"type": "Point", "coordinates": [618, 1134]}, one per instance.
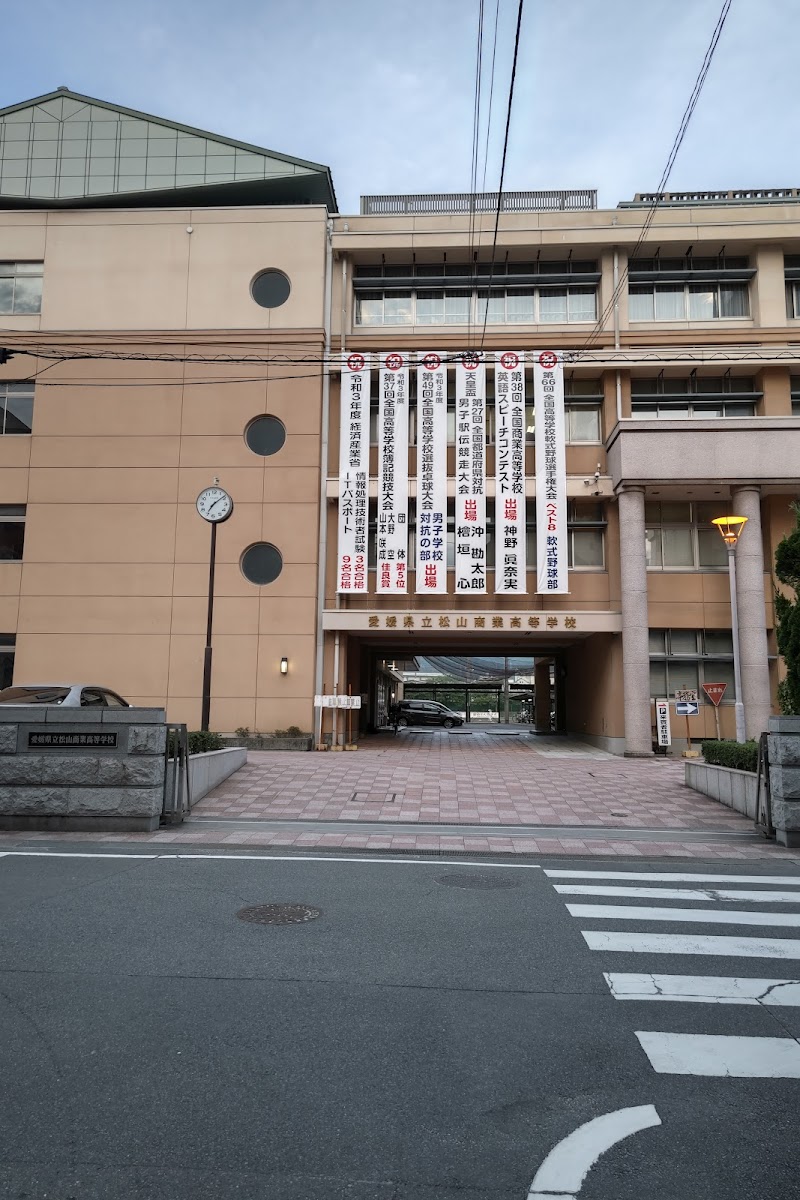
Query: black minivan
{"type": "Point", "coordinates": [423, 712]}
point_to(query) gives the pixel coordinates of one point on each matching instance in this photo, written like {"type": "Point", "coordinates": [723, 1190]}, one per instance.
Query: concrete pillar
{"type": "Point", "coordinates": [541, 679]}
{"type": "Point", "coordinates": [635, 632]}
{"type": "Point", "coordinates": [746, 502]}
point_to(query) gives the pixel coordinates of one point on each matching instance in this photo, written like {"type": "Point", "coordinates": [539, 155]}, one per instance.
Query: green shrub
{"type": "Point", "coordinates": [294, 731]}
{"type": "Point", "coordinates": [201, 741]}
{"type": "Point", "coordinates": [742, 756]}
{"type": "Point", "coordinates": [242, 732]}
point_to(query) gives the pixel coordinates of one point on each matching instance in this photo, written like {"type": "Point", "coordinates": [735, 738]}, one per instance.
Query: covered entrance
{"type": "Point", "coordinates": [564, 669]}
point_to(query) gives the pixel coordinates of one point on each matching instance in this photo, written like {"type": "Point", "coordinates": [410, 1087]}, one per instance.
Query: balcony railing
{"type": "Point", "coordinates": [580, 199]}
{"type": "Point", "coordinates": [735, 196]}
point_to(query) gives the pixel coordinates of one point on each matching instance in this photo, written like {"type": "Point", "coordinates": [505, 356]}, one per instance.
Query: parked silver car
{"type": "Point", "coordinates": [67, 695]}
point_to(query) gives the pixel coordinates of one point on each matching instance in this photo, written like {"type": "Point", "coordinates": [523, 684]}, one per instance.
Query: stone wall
{"type": "Point", "coordinates": [81, 769]}
{"type": "Point", "coordinates": [735, 789]}
{"type": "Point", "coordinates": [784, 778]}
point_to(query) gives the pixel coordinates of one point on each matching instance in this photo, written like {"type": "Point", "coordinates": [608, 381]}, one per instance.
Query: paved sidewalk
{"type": "Point", "coordinates": [566, 790]}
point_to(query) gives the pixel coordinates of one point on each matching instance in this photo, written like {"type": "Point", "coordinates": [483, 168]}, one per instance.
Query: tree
{"type": "Point", "coordinates": [787, 569]}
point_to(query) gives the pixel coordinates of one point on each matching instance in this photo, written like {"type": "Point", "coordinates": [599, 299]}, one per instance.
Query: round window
{"type": "Point", "coordinates": [270, 288]}
{"type": "Point", "coordinates": [262, 563]}
{"type": "Point", "coordinates": [265, 435]}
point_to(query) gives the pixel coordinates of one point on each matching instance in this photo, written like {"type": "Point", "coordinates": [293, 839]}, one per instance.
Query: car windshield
{"type": "Point", "coordinates": [33, 695]}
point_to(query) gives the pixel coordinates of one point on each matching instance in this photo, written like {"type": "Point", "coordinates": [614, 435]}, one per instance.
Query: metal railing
{"type": "Point", "coordinates": [733, 196]}
{"type": "Point", "coordinates": [177, 794]}
{"type": "Point", "coordinates": [578, 199]}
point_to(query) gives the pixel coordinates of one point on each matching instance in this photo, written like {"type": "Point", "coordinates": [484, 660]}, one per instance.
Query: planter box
{"type": "Point", "coordinates": [273, 743]}
{"type": "Point", "coordinates": [209, 769]}
{"type": "Point", "coordinates": [734, 789]}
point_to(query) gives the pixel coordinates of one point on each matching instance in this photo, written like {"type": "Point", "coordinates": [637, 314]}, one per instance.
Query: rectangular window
{"type": "Point", "coordinates": [687, 301]}
{"type": "Point", "coordinates": [12, 531]}
{"type": "Point", "coordinates": [7, 649]}
{"type": "Point", "coordinates": [16, 408]}
{"type": "Point", "coordinates": [680, 537]}
{"type": "Point", "coordinates": [21, 287]}
{"type": "Point", "coordinates": [688, 658]}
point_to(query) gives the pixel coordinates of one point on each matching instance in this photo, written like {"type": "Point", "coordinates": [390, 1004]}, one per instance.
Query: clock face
{"type": "Point", "coordinates": [214, 504]}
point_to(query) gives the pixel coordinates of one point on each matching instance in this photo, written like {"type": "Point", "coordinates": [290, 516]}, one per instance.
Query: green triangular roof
{"type": "Point", "coordinates": [64, 149]}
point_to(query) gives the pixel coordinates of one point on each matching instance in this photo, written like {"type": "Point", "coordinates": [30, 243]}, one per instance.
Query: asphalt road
{"type": "Point", "coordinates": [433, 1034]}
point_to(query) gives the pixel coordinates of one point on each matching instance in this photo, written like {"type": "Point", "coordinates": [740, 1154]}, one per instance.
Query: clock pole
{"type": "Point", "coordinates": [212, 559]}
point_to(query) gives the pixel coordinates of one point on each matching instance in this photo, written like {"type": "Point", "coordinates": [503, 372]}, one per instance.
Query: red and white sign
{"type": "Point", "coordinates": [509, 449]}
{"type": "Point", "coordinates": [431, 572]}
{"type": "Point", "coordinates": [392, 527]}
{"type": "Point", "coordinates": [470, 476]}
{"type": "Point", "coordinates": [351, 575]}
{"type": "Point", "coordinates": [551, 475]}
{"type": "Point", "coordinates": [715, 692]}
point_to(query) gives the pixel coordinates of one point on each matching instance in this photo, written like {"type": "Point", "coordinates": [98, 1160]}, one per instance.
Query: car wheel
{"type": "Point", "coordinates": [402, 722]}
{"type": "Point", "coordinates": [448, 723]}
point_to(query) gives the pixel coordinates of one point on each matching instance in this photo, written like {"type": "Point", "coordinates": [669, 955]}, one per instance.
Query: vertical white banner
{"type": "Point", "coordinates": [392, 535]}
{"type": "Point", "coordinates": [551, 474]}
{"type": "Point", "coordinates": [509, 449]}
{"type": "Point", "coordinates": [470, 474]}
{"type": "Point", "coordinates": [351, 574]}
{"type": "Point", "coordinates": [432, 475]}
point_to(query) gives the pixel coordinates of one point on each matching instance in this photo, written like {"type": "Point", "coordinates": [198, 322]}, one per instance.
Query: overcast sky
{"type": "Point", "coordinates": [382, 90]}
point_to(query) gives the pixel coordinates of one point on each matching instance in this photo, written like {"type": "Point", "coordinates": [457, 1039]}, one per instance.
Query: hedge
{"type": "Point", "coordinates": [742, 756]}
{"type": "Point", "coordinates": [200, 742]}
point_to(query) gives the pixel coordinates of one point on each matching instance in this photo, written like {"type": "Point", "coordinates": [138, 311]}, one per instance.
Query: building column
{"type": "Point", "coordinates": [746, 502]}
{"type": "Point", "coordinates": [635, 629]}
{"type": "Point", "coordinates": [541, 683]}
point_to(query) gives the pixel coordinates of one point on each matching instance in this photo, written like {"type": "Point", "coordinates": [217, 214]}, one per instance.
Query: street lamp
{"type": "Point", "coordinates": [730, 529]}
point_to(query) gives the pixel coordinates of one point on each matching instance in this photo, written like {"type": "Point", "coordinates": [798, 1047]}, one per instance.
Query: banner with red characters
{"type": "Point", "coordinates": [470, 481]}
{"type": "Point", "coordinates": [509, 449]}
{"type": "Point", "coordinates": [552, 552]}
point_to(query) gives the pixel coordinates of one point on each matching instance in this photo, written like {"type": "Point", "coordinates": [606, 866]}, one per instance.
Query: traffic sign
{"type": "Point", "coordinates": [715, 691]}
{"type": "Point", "coordinates": [685, 709]}
{"type": "Point", "coordinates": [686, 695]}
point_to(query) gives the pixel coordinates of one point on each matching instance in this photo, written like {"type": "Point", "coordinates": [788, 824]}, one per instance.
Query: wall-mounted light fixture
{"type": "Point", "coordinates": [284, 665]}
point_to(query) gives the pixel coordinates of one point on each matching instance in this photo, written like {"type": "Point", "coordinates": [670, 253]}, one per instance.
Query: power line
{"type": "Point", "coordinates": [491, 95]}
{"type": "Point", "coordinates": [665, 174]}
{"type": "Point", "coordinates": [503, 165]}
{"type": "Point", "coordinates": [476, 136]}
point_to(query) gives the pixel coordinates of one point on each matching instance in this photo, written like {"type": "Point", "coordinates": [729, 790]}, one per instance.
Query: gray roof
{"type": "Point", "coordinates": [68, 150]}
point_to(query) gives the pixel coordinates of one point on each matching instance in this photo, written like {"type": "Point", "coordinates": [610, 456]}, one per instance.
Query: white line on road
{"type": "Point", "coordinates": [563, 1171]}
{"type": "Point", "coordinates": [318, 858]}
{"type": "Point", "coordinates": [716, 1054]}
{"type": "Point", "coordinates": [691, 943]}
{"type": "Point", "coordinates": [648, 893]}
{"type": "Point", "coordinates": [672, 877]}
{"type": "Point", "coordinates": [707, 916]}
{"type": "Point", "coordinates": [704, 989]}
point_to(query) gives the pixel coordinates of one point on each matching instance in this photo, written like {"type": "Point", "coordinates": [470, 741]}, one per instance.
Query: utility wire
{"type": "Point", "coordinates": [673, 154]}
{"type": "Point", "coordinates": [503, 166]}
{"type": "Point", "coordinates": [476, 139]}
{"type": "Point", "coordinates": [491, 96]}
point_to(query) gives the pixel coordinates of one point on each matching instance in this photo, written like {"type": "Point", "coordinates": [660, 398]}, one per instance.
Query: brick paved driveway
{"type": "Point", "coordinates": [477, 779]}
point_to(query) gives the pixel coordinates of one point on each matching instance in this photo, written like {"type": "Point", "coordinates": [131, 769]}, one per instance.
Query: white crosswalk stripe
{"type": "Point", "coordinates": [702, 1054]}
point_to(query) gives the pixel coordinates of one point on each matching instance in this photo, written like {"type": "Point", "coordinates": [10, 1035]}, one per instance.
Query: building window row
{"type": "Point", "coordinates": [687, 301]}
{"type": "Point", "coordinates": [688, 658]}
{"type": "Point", "coordinates": [21, 287]}
{"type": "Point", "coordinates": [680, 537]}
{"type": "Point", "coordinates": [693, 396]}
{"type": "Point", "coordinates": [16, 408]}
{"type": "Point", "coordinates": [464, 306]}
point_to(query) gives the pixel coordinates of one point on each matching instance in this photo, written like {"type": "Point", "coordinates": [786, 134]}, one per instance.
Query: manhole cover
{"type": "Point", "coordinates": [479, 882]}
{"type": "Point", "coordinates": [278, 914]}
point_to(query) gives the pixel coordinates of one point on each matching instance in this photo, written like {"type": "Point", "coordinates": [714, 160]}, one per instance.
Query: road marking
{"type": "Point", "coordinates": [672, 877]}
{"type": "Point", "coordinates": [708, 916]}
{"type": "Point", "coordinates": [563, 1171]}
{"type": "Point", "coordinates": [647, 893]}
{"type": "Point", "coordinates": [679, 943]}
{"type": "Point", "coordinates": [319, 858]}
{"type": "Point", "coordinates": [715, 1054]}
{"type": "Point", "coordinates": [704, 989]}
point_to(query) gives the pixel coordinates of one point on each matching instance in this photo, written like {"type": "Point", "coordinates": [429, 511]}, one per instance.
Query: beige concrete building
{"type": "Point", "coordinates": [177, 306]}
